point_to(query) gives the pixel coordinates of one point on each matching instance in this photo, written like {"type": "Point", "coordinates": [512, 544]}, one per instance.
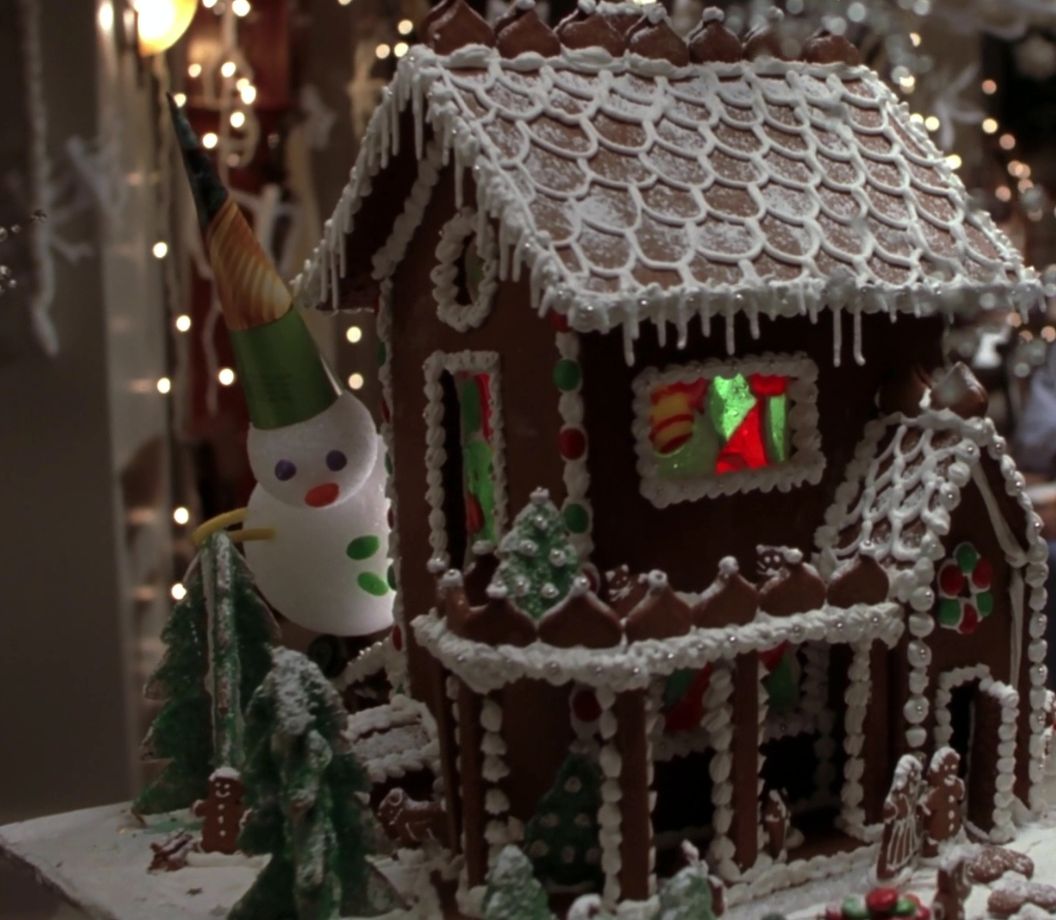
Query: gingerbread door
{"type": "Point", "coordinates": [996, 704]}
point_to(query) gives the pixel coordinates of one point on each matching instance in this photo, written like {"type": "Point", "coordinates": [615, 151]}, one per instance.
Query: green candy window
{"type": "Point", "coordinates": [465, 465]}
{"type": "Point", "coordinates": [965, 592]}
{"type": "Point", "coordinates": [718, 428]}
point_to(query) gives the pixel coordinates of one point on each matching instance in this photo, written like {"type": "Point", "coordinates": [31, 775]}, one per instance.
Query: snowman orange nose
{"type": "Point", "coordinates": [321, 496]}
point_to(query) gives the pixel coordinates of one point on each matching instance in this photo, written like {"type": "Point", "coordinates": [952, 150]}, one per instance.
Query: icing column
{"type": "Point", "coordinates": [472, 769]}
{"type": "Point", "coordinates": [609, 812]}
{"type": "Point", "coordinates": [572, 440]}
{"type": "Point", "coordinates": [1035, 577]}
{"type": "Point", "coordinates": [718, 709]}
{"type": "Point", "coordinates": [857, 700]}
{"type": "Point", "coordinates": [496, 803]}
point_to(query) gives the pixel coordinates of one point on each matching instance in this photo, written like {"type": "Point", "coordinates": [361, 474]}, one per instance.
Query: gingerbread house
{"type": "Point", "coordinates": [693, 291]}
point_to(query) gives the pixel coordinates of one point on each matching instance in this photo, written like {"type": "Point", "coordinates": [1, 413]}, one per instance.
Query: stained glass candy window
{"type": "Point", "coordinates": [708, 426]}
{"type": "Point", "coordinates": [478, 454]}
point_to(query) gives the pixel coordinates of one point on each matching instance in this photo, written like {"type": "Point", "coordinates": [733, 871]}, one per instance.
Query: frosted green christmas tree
{"type": "Point", "coordinates": [537, 559]}
{"type": "Point", "coordinates": [562, 837]}
{"type": "Point", "coordinates": [217, 652]}
{"type": "Point", "coordinates": [513, 892]}
{"type": "Point", "coordinates": [687, 894]}
{"type": "Point", "coordinates": [303, 786]}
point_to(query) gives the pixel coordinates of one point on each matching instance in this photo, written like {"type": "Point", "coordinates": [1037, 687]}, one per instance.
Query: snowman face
{"type": "Point", "coordinates": [319, 462]}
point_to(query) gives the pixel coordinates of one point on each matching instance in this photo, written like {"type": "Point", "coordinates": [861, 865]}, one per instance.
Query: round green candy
{"type": "Point", "coordinates": [567, 374]}
{"type": "Point", "coordinates": [984, 603]}
{"type": "Point", "coordinates": [854, 908]}
{"type": "Point", "coordinates": [904, 907]}
{"type": "Point", "coordinates": [949, 611]}
{"type": "Point", "coordinates": [576, 517]}
{"type": "Point", "coordinates": [967, 557]}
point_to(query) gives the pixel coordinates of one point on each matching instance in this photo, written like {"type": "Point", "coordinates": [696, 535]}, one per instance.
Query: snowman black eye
{"type": "Point", "coordinates": [285, 469]}
{"type": "Point", "coordinates": [336, 460]}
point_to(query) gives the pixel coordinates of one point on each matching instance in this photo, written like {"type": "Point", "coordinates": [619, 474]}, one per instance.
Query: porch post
{"type": "Point", "coordinates": [472, 784]}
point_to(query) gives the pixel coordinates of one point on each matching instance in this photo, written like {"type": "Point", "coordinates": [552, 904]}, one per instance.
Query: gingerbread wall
{"type": "Point", "coordinates": [527, 397]}
{"type": "Point", "coordinates": [687, 539]}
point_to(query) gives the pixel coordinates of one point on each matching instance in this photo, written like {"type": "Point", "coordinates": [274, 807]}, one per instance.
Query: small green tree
{"type": "Point", "coordinates": [303, 786]}
{"type": "Point", "coordinates": [562, 837]}
{"type": "Point", "coordinates": [217, 652]}
{"type": "Point", "coordinates": [513, 892]}
{"type": "Point", "coordinates": [180, 733]}
{"type": "Point", "coordinates": [537, 559]}
{"type": "Point", "coordinates": [687, 895]}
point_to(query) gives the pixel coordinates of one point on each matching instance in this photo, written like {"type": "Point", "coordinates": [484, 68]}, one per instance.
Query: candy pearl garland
{"type": "Point", "coordinates": [496, 802]}
{"type": "Point", "coordinates": [857, 700]}
{"type": "Point", "coordinates": [610, 834]}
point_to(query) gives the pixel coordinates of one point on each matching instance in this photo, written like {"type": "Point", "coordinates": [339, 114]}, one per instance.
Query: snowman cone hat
{"type": "Point", "coordinates": [283, 375]}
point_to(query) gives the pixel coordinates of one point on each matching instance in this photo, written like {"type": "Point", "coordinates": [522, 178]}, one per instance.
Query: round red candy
{"type": "Point", "coordinates": [585, 706]}
{"type": "Point", "coordinates": [951, 580]}
{"type": "Point", "coordinates": [881, 901]}
{"type": "Point", "coordinates": [572, 443]}
{"type": "Point", "coordinates": [833, 912]}
{"type": "Point", "coordinates": [970, 619]}
{"type": "Point", "coordinates": [983, 576]}
{"type": "Point", "coordinates": [558, 321]}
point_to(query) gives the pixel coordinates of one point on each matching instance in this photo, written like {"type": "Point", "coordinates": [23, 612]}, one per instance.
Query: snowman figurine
{"type": "Point", "coordinates": [316, 532]}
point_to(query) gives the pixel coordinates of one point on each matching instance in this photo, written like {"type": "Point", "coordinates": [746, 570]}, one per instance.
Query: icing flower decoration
{"type": "Point", "coordinates": [965, 590]}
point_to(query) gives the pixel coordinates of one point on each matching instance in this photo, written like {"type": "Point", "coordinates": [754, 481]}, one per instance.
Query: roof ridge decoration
{"type": "Point", "coordinates": [632, 189]}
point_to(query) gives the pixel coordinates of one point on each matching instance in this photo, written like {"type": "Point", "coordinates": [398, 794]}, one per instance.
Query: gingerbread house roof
{"type": "Point", "coordinates": [631, 188]}
{"type": "Point", "coordinates": [903, 487]}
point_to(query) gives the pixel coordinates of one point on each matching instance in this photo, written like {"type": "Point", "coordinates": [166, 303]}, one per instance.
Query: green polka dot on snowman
{"type": "Point", "coordinates": [360, 550]}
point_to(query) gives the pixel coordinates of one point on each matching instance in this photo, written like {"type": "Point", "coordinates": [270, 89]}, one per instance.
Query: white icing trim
{"type": "Point", "coordinates": [436, 89]}
{"type": "Point", "coordinates": [944, 687]}
{"type": "Point", "coordinates": [859, 685]}
{"type": "Point", "coordinates": [576, 475]}
{"type": "Point", "coordinates": [437, 363]}
{"type": "Point", "coordinates": [610, 831]}
{"type": "Point", "coordinates": [632, 665]}
{"type": "Point", "coordinates": [395, 739]}
{"type": "Point", "coordinates": [462, 226]}
{"type": "Point", "coordinates": [1004, 783]}
{"type": "Point", "coordinates": [718, 718]}
{"type": "Point", "coordinates": [493, 769]}
{"type": "Point", "coordinates": [805, 462]}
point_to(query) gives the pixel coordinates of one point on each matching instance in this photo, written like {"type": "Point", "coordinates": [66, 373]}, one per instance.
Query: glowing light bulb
{"type": "Point", "coordinates": [248, 93]}
{"type": "Point", "coordinates": [160, 23]}
{"type": "Point", "coordinates": [194, 71]}
{"type": "Point", "coordinates": [183, 323]}
{"type": "Point", "coordinates": [932, 123]}
{"type": "Point", "coordinates": [208, 4]}
{"type": "Point", "coordinates": [181, 515]}
{"type": "Point", "coordinates": [990, 126]}
{"type": "Point", "coordinates": [178, 592]}
{"type": "Point", "coordinates": [405, 27]}
{"type": "Point", "coordinates": [1007, 141]}
{"type": "Point", "coordinates": [241, 7]}
{"type": "Point", "coordinates": [914, 37]}
{"type": "Point", "coordinates": [227, 69]}
{"type": "Point", "coordinates": [989, 87]}
{"type": "Point", "coordinates": [106, 17]}
{"type": "Point", "coordinates": [1003, 193]}
{"type": "Point", "coordinates": [164, 386]}
{"type": "Point", "coordinates": [355, 381]}
{"type": "Point", "coordinates": [180, 99]}
{"type": "Point", "coordinates": [382, 51]}
{"type": "Point", "coordinates": [354, 334]}
{"type": "Point", "coordinates": [954, 161]}
{"type": "Point", "coordinates": [210, 140]}
{"type": "Point", "coordinates": [225, 376]}
{"type": "Point", "coordinates": [160, 249]}
{"type": "Point", "coordinates": [238, 119]}
{"type": "Point", "coordinates": [400, 49]}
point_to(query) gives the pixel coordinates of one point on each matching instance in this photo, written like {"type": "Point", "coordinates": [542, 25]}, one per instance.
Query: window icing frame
{"type": "Point", "coordinates": [805, 462]}
{"type": "Point", "coordinates": [465, 224]}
